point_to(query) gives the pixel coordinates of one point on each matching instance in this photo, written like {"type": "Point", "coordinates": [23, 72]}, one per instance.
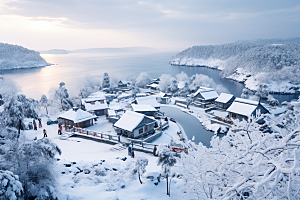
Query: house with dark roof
{"type": "Point", "coordinates": [243, 108]}
{"type": "Point", "coordinates": [204, 97]}
{"type": "Point", "coordinates": [224, 101]}
{"type": "Point", "coordinates": [134, 125]}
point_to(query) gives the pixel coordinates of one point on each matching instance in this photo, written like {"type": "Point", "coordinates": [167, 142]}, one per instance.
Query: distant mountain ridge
{"type": "Point", "coordinates": [271, 63]}
{"type": "Point", "coordinates": [121, 50]}
{"type": "Point", "coordinates": [16, 57]}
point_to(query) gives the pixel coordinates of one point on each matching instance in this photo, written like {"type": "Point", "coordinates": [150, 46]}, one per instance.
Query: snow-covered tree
{"type": "Point", "coordinates": [165, 82]}
{"type": "Point", "coordinates": [198, 80]}
{"type": "Point", "coordinates": [140, 165]}
{"type": "Point", "coordinates": [249, 162]}
{"type": "Point", "coordinates": [182, 77]}
{"type": "Point", "coordinates": [44, 102]}
{"type": "Point", "coordinates": [8, 89]}
{"type": "Point", "coordinates": [173, 85]}
{"type": "Point", "coordinates": [166, 160]}
{"type": "Point", "coordinates": [10, 186]}
{"type": "Point", "coordinates": [105, 82]}
{"type": "Point", "coordinates": [60, 97]}
{"type": "Point", "coordinates": [36, 168]}
{"type": "Point", "coordinates": [142, 80]}
{"type": "Point", "coordinates": [18, 108]}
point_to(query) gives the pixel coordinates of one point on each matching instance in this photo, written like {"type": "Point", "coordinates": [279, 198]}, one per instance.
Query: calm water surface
{"type": "Point", "coordinates": [190, 124]}
{"type": "Point", "coordinates": [72, 68]}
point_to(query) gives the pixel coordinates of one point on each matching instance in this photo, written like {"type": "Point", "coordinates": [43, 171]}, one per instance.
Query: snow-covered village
{"type": "Point", "coordinates": [146, 100]}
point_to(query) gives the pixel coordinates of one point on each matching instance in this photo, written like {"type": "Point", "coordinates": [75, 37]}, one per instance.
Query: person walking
{"type": "Point", "coordinates": [34, 125]}
{"type": "Point", "coordinates": [40, 122]}
{"type": "Point", "coordinates": [59, 129]}
{"type": "Point", "coordinates": [45, 133]}
{"type": "Point", "coordinates": [154, 150]}
{"type": "Point", "coordinates": [132, 153]}
{"type": "Point", "coordinates": [129, 151]}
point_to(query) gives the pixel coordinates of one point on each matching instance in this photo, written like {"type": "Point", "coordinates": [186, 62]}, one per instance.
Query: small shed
{"type": "Point", "coordinates": [77, 118]}
{"type": "Point", "coordinates": [224, 100]}
{"type": "Point", "coordinates": [144, 109]}
{"type": "Point", "coordinates": [204, 96]}
{"type": "Point", "coordinates": [134, 125]}
{"type": "Point", "coordinates": [163, 98]}
{"type": "Point", "coordinates": [243, 108]}
{"type": "Point", "coordinates": [112, 116]}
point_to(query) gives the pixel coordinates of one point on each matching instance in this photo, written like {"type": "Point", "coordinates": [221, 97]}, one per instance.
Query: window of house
{"type": "Point", "coordinates": [102, 102]}
{"type": "Point", "coordinates": [146, 128]}
{"type": "Point", "coordinates": [93, 103]}
{"type": "Point", "coordinates": [233, 115]}
{"type": "Point", "coordinates": [140, 130]}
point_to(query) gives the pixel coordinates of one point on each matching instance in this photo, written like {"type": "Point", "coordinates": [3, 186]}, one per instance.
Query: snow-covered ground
{"type": "Point", "coordinates": [105, 175]}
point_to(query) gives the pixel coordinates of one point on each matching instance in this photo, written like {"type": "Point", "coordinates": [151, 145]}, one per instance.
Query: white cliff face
{"type": "Point", "coordinates": [16, 57]}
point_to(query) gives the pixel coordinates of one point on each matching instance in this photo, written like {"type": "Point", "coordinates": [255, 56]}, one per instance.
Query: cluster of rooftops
{"type": "Point", "coordinates": [144, 107]}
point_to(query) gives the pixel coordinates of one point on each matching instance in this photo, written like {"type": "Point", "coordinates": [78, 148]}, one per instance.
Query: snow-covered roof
{"type": "Point", "coordinates": [137, 107]}
{"type": "Point", "coordinates": [129, 120]}
{"type": "Point", "coordinates": [96, 106]}
{"type": "Point", "coordinates": [92, 99]}
{"type": "Point", "coordinates": [162, 94]}
{"type": "Point", "coordinates": [247, 101]}
{"type": "Point", "coordinates": [242, 108]}
{"type": "Point", "coordinates": [77, 116]}
{"type": "Point", "coordinates": [140, 94]}
{"type": "Point", "coordinates": [207, 93]}
{"type": "Point", "coordinates": [154, 85]}
{"type": "Point", "coordinates": [97, 94]}
{"type": "Point", "coordinates": [149, 100]}
{"type": "Point", "coordinates": [125, 95]}
{"type": "Point", "coordinates": [224, 98]}
{"type": "Point", "coordinates": [111, 112]}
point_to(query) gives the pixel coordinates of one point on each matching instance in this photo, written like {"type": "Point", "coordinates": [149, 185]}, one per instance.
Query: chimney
{"type": "Point", "coordinates": [75, 109]}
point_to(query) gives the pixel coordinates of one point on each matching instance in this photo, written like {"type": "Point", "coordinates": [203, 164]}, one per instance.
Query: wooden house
{"type": "Point", "coordinates": [76, 118]}
{"type": "Point", "coordinates": [134, 125]}
{"type": "Point", "coordinates": [204, 97]}
{"type": "Point", "coordinates": [224, 101]}
{"type": "Point", "coordinates": [95, 104]}
{"type": "Point", "coordinates": [243, 108]}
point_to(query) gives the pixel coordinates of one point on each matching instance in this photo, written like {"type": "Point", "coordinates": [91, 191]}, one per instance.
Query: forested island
{"type": "Point", "coordinates": [17, 57]}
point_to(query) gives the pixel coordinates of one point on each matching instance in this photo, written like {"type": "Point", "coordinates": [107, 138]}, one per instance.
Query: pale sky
{"type": "Point", "coordinates": [77, 24]}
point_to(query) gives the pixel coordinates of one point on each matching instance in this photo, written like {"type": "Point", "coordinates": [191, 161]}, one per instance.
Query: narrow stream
{"type": "Point", "coordinates": [190, 124]}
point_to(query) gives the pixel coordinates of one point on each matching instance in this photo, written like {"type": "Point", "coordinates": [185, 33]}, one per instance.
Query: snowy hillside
{"type": "Point", "coordinates": [15, 57]}
{"type": "Point", "coordinates": [273, 63]}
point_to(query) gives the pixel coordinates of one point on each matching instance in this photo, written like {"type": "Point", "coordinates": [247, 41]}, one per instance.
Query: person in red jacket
{"type": "Point", "coordinates": [59, 129]}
